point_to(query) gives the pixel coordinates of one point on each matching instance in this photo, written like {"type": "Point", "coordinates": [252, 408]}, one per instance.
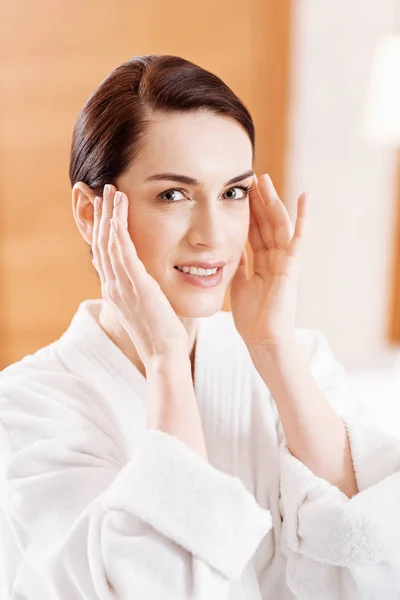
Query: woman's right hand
{"type": "Point", "coordinates": [136, 297]}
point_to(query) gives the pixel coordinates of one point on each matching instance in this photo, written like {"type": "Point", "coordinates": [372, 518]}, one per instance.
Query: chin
{"type": "Point", "coordinates": [193, 308]}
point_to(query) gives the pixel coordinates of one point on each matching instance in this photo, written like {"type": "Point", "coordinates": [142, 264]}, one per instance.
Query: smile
{"type": "Point", "coordinates": [200, 277]}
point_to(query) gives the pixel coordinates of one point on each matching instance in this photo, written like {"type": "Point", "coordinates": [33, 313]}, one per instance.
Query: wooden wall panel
{"type": "Point", "coordinates": [54, 53]}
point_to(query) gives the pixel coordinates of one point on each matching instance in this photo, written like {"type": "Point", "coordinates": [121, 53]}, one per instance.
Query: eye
{"type": "Point", "coordinates": [246, 189]}
{"type": "Point", "coordinates": [169, 195]}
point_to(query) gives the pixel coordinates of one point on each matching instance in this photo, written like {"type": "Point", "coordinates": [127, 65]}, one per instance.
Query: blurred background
{"type": "Point", "coordinates": [322, 81]}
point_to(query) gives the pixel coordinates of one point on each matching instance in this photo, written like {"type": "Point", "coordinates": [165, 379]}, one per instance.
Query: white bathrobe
{"type": "Point", "coordinates": [94, 506]}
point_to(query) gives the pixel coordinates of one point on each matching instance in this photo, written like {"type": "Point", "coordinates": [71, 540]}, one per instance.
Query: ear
{"type": "Point", "coordinates": [82, 207]}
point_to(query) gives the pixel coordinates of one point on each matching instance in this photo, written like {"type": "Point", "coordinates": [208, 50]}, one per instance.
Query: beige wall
{"type": "Point", "coordinates": [346, 279]}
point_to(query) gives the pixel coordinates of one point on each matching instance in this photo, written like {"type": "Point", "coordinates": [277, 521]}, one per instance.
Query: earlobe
{"type": "Point", "coordinates": [82, 208]}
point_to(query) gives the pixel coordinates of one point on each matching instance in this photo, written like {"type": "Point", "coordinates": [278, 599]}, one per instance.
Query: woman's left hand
{"type": "Point", "coordinates": [264, 305]}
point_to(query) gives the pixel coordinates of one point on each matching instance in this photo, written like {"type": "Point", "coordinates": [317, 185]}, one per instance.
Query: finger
{"type": "Point", "coordinates": [95, 232]}
{"type": "Point", "coordinates": [297, 243]}
{"type": "Point", "coordinates": [255, 238]}
{"type": "Point", "coordinates": [260, 230]}
{"type": "Point", "coordinates": [125, 254]}
{"type": "Point", "coordinates": [276, 213]}
{"type": "Point", "coordinates": [104, 233]}
{"type": "Point", "coordinates": [121, 275]}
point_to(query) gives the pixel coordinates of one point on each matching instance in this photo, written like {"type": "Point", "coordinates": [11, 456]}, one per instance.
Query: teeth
{"type": "Point", "coordinates": [198, 271]}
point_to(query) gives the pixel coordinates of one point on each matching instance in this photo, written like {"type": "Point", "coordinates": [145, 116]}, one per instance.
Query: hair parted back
{"type": "Point", "coordinates": [107, 135]}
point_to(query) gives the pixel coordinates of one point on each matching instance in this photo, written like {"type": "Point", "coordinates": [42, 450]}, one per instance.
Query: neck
{"type": "Point", "coordinates": [113, 328]}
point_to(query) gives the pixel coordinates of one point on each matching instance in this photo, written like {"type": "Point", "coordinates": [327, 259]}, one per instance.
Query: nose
{"type": "Point", "coordinates": [207, 228]}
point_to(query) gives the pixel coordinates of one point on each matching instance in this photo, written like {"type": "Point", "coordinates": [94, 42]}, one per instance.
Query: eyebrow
{"type": "Point", "coordinates": [190, 181]}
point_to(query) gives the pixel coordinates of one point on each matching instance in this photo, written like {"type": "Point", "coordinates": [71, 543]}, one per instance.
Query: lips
{"type": "Point", "coordinates": [202, 265]}
{"type": "Point", "coordinates": [202, 281]}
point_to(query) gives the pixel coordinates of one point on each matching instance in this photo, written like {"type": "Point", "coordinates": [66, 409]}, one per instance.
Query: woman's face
{"type": "Point", "coordinates": [173, 222]}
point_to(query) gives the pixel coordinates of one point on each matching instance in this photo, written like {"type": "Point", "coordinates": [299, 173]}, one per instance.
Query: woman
{"type": "Point", "coordinates": [162, 448]}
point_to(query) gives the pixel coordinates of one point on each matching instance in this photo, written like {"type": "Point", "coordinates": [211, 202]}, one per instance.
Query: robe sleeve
{"type": "Point", "coordinates": [336, 547]}
{"type": "Point", "coordinates": [164, 524]}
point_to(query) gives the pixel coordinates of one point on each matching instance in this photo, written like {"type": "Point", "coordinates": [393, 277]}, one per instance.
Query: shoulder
{"type": "Point", "coordinates": [38, 374]}
{"type": "Point", "coordinates": [327, 371]}
{"type": "Point", "coordinates": [41, 399]}
{"type": "Point", "coordinates": [221, 334]}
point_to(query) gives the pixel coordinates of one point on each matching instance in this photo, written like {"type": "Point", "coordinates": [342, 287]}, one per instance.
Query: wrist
{"type": "Point", "coordinates": [273, 351]}
{"type": "Point", "coordinates": [169, 383]}
{"type": "Point", "coordinates": [169, 363]}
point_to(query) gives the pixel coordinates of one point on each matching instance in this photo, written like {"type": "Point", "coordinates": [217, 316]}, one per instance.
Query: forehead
{"type": "Point", "coordinates": [198, 144]}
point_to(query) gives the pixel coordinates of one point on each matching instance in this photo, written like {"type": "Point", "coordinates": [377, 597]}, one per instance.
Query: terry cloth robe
{"type": "Point", "coordinates": [95, 506]}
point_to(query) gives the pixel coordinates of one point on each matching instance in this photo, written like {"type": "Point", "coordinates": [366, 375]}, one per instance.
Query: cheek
{"type": "Point", "coordinates": [239, 229]}
{"type": "Point", "coordinates": [154, 237]}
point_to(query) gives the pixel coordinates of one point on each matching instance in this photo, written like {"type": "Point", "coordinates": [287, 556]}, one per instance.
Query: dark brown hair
{"type": "Point", "coordinates": [107, 134]}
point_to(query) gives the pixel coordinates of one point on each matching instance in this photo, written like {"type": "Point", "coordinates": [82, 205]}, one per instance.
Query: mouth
{"type": "Point", "coordinates": [199, 276]}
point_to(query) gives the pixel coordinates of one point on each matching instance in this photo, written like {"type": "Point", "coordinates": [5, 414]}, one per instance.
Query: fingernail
{"type": "Point", "coordinates": [117, 199]}
{"type": "Point", "coordinates": [106, 192]}
{"type": "Point", "coordinates": [96, 204]}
